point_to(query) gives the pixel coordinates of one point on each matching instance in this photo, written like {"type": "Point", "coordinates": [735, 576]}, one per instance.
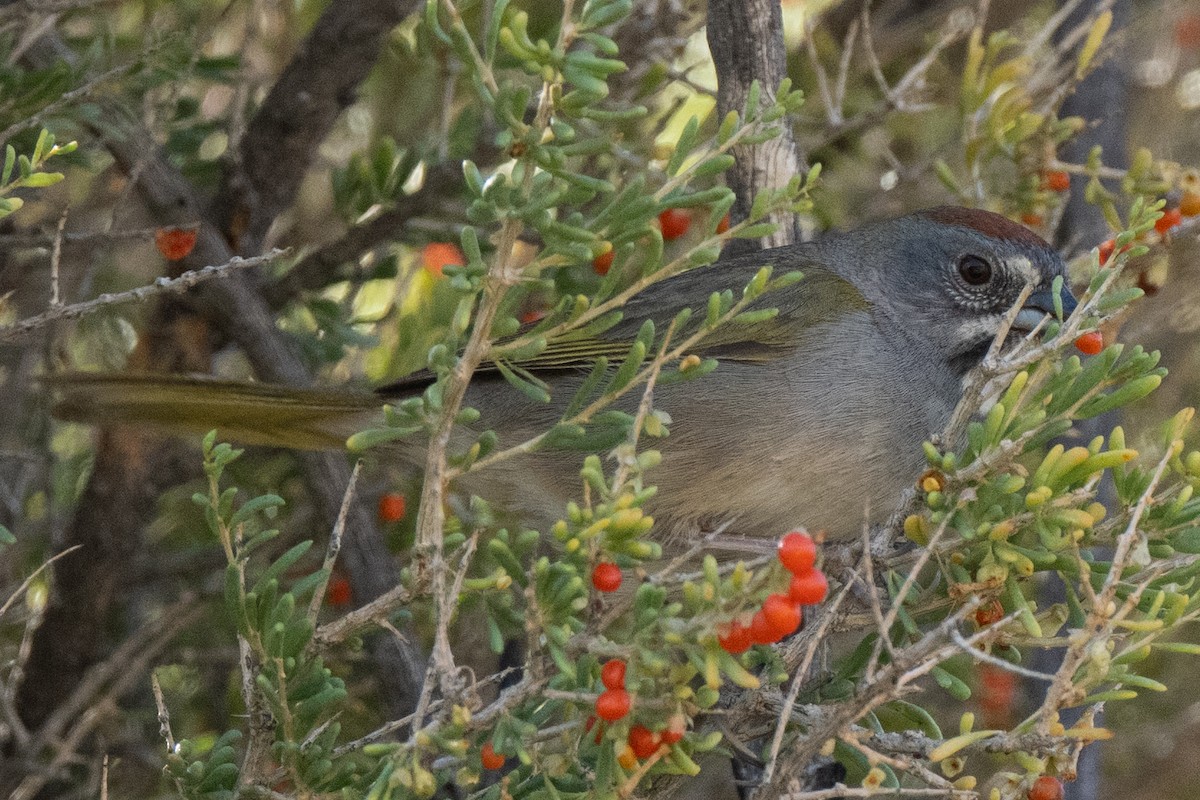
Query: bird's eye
{"type": "Point", "coordinates": [974, 270]}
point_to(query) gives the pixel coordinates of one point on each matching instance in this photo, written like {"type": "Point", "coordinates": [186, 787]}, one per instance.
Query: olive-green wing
{"type": "Point", "coordinates": [821, 296]}
{"type": "Point", "coordinates": [250, 413]}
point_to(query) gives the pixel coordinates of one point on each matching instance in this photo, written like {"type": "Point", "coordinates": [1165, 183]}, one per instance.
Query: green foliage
{"type": "Point", "coordinates": [27, 171]}
{"type": "Point", "coordinates": [291, 687]}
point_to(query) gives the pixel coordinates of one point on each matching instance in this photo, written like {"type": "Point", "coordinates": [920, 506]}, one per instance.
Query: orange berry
{"type": "Point", "coordinates": [603, 262]}
{"type": "Point", "coordinates": [1090, 343]}
{"type": "Point", "coordinates": [797, 552]}
{"type": "Point", "coordinates": [627, 759]}
{"type": "Point", "coordinates": [613, 704]}
{"type": "Point", "coordinates": [1033, 220]}
{"type": "Point", "coordinates": [674, 223]}
{"type": "Point", "coordinates": [436, 256]}
{"type": "Point", "coordinates": [1046, 787]}
{"type": "Point", "coordinates": [782, 614]}
{"type": "Point", "coordinates": [489, 757]}
{"type": "Point", "coordinates": [1056, 180]}
{"type": "Point", "coordinates": [1189, 204]}
{"type": "Point", "coordinates": [606, 577]}
{"type": "Point", "coordinates": [736, 639]}
{"type": "Point", "coordinates": [808, 588]}
{"type": "Point", "coordinates": [989, 613]}
{"type": "Point", "coordinates": [643, 741]}
{"type": "Point", "coordinates": [392, 507]}
{"type": "Point", "coordinates": [723, 225]}
{"type": "Point", "coordinates": [612, 674]}
{"type": "Point", "coordinates": [1170, 218]}
{"type": "Point", "coordinates": [175, 243]}
{"type": "Point", "coordinates": [338, 593]}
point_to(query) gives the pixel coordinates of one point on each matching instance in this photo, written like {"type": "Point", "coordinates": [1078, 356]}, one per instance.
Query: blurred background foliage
{"type": "Point", "coordinates": [193, 71]}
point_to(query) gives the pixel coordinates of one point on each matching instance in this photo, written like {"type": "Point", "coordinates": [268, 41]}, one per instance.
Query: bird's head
{"type": "Point", "coordinates": [947, 276]}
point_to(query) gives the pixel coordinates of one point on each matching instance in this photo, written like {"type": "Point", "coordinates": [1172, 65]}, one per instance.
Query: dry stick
{"type": "Point", "coordinates": [64, 100]}
{"type": "Point", "coordinates": [388, 728]}
{"type": "Point", "coordinates": [840, 791]}
{"type": "Point", "coordinates": [884, 640]}
{"type": "Point", "coordinates": [56, 260]}
{"type": "Point", "coordinates": [365, 616]}
{"type": "Point", "coordinates": [988, 658]}
{"type": "Point", "coordinates": [502, 275]}
{"type": "Point", "coordinates": [827, 616]}
{"type": "Point", "coordinates": [160, 286]}
{"type": "Point", "coordinates": [1100, 622]}
{"type": "Point", "coordinates": [335, 544]}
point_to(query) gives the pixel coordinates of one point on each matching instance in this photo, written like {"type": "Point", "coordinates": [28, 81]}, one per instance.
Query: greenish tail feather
{"type": "Point", "coordinates": [247, 413]}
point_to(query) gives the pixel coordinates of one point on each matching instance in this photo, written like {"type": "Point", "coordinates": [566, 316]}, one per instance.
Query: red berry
{"type": "Point", "coordinates": [606, 577]}
{"type": "Point", "coordinates": [175, 243]}
{"type": "Point", "coordinates": [603, 262]}
{"type": "Point", "coordinates": [338, 593]}
{"type": "Point", "coordinates": [1187, 31]}
{"type": "Point", "coordinates": [612, 674]}
{"type": "Point", "coordinates": [1056, 180]}
{"type": "Point", "coordinates": [1046, 788]}
{"type": "Point", "coordinates": [1170, 218]}
{"type": "Point", "coordinates": [533, 315]}
{"type": "Point", "coordinates": [436, 256]}
{"type": "Point", "coordinates": [676, 728]}
{"type": "Point", "coordinates": [736, 639]}
{"type": "Point", "coordinates": [809, 588]}
{"type": "Point", "coordinates": [997, 694]}
{"type": "Point", "coordinates": [723, 225]}
{"type": "Point", "coordinates": [489, 757]}
{"type": "Point", "coordinates": [797, 552]}
{"type": "Point", "coordinates": [782, 614]}
{"type": "Point", "coordinates": [613, 704]}
{"type": "Point", "coordinates": [643, 741]}
{"type": "Point", "coordinates": [1090, 343]}
{"type": "Point", "coordinates": [674, 223]}
{"type": "Point", "coordinates": [989, 613]}
{"type": "Point", "coordinates": [392, 507]}
{"type": "Point", "coordinates": [761, 631]}
{"type": "Point", "coordinates": [1107, 248]}
{"type": "Point", "coordinates": [1033, 220]}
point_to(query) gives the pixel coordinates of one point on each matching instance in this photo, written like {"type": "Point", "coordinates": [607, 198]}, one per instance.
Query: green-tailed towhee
{"type": "Point", "coordinates": [815, 417]}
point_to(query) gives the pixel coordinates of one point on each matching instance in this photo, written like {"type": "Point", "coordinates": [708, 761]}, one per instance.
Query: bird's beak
{"type": "Point", "coordinates": [1039, 305]}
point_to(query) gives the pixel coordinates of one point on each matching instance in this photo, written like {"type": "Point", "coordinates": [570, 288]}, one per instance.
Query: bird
{"type": "Point", "coordinates": [815, 416]}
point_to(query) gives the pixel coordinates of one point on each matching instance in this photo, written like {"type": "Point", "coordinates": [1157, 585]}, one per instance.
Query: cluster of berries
{"type": "Point", "coordinates": [614, 704]}
{"type": "Point", "coordinates": [781, 614]}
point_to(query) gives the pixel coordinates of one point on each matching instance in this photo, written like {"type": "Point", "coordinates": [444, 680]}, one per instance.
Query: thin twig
{"type": "Point", "coordinates": [160, 286]}
{"type": "Point", "coordinates": [335, 544]}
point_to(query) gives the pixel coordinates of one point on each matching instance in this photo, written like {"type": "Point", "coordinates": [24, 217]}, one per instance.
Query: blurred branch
{"type": "Point", "coordinates": [342, 46]}
{"type": "Point", "coordinates": [320, 268]}
{"type": "Point", "coordinates": [281, 139]}
{"type": "Point", "coordinates": [178, 285]}
{"type": "Point", "coordinates": [94, 698]}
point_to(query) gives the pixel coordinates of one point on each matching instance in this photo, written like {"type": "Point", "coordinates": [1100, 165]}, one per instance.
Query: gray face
{"type": "Point", "coordinates": [945, 278]}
